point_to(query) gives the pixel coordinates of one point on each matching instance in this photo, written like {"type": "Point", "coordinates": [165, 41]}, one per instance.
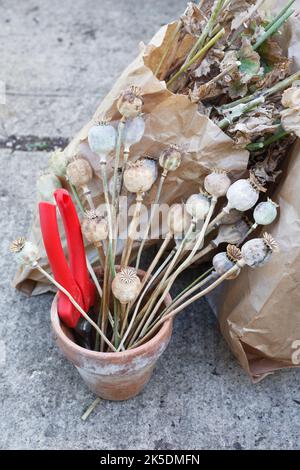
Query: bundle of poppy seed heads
{"type": "Point", "coordinates": [132, 305]}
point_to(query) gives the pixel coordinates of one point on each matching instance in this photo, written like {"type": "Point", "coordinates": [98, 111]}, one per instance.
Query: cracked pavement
{"type": "Point", "coordinates": [59, 59]}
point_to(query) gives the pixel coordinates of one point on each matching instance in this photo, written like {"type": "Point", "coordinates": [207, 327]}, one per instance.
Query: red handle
{"type": "Point", "coordinates": [59, 266]}
{"type": "Point", "coordinates": [75, 246]}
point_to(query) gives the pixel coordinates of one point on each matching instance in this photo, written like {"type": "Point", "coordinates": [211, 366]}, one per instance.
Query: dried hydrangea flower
{"type": "Point", "coordinates": [58, 163]}
{"type": "Point", "coordinates": [46, 185]}
{"type": "Point", "coordinates": [198, 206]}
{"type": "Point", "coordinates": [102, 139]}
{"type": "Point", "coordinates": [94, 228]}
{"type": "Point", "coordinates": [178, 219]}
{"type": "Point", "coordinates": [25, 251]}
{"type": "Point", "coordinates": [170, 158]}
{"type": "Point", "coordinates": [126, 285]}
{"type": "Point", "coordinates": [217, 183]}
{"type": "Point", "coordinates": [79, 172]}
{"type": "Point", "coordinates": [265, 213]}
{"type": "Point", "coordinates": [130, 102]}
{"type": "Point", "coordinates": [243, 194]}
{"type": "Point", "coordinates": [140, 176]}
{"type": "Point", "coordinates": [256, 252]}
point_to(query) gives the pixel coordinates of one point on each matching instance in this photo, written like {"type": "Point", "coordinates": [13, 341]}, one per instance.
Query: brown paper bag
{"type": "Point", "coordinates": [169, 119]}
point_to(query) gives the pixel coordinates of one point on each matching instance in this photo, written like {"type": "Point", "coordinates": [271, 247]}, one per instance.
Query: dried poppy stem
{"type": "Point", "coordinates": [181, 307]}
{"type": "Point", "coordinates": [132, 230]}
{"type": "Point", "coordinates": [200, 54]}
{"type": "Point", "coordinates": [280, 86]}
{"type": "Point", "coordinates": [156, 201]}
{"type": "Point", "coordinates": [205, 33]}
{"type": "Point", "coordinates": [193, 287]}
{"type": "Point", "coordinates": [273, 28]}
{"type": "Point", "coordinates": [76, 305]}
{"type": "Point", "coordinates": [280, 134]}
{"type": "Point", "coordinates": [280, 14]}
{"type": "Point", "coordinates": [183, 266]}
{"type": "Point", "coordinates": [90, 409]}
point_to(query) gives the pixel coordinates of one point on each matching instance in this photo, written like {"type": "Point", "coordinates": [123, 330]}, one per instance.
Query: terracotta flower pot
{"type": "Point", "coordinates": [112, 376]}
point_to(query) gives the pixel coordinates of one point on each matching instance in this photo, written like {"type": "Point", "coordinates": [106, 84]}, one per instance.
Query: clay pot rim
{"type": "Point", "coordinates": [128, 354]}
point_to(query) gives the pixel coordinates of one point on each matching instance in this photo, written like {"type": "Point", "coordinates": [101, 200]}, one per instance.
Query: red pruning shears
{"type": "Point", "coordinates": [73, 276]}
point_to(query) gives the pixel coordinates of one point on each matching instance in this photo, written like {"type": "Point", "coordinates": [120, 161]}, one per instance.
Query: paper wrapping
{"type": "Point", "coordinates": [259, 313]}
{"type": "Point", "coordinates": [169, 118]}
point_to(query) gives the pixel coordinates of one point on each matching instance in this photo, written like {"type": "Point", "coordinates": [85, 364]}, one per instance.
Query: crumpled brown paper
{"type": "Point", "coordinates": [169, 119]}
{"type": "Point", "coordinates": [259, 313]}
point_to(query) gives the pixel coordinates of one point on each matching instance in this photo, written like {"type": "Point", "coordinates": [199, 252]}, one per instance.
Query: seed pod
{"type": "Point", "coordinates": [25, 251]}
{"type": "Point", "coordinates": [140, 176]}
{"type": "Point", "coordinates": [178, 219]}
{"type": "Point", "coordinates": [170, 158]}
{"type": "Point", "coordinates": [243, 194]}
{"type": "Point", "coordinates": [233, 234]}
{"type": "Point", "coordinates": [198, 206]}
{"type": "Point", "coordinates": [130, 103]}
{"type": "Point", "coordinates": [133, 131]}
{"type": "Point", "coordinates": [58, 163]}
{"type": "Point", "coordinates": [126, 285]}
{"type": "Point", "coordinates": [79, 172]}
{"type": "Point", "coordinates": [256, 252]}
{"type": "Point", "coordinates": [46, 185]}
{"type": "Point", "coordinates": [217, 183]}
{"type": "Point", "coordinates": [224, 261]}
{"type": "Point", "coordinates": [102, 139]}
{"type": "Point", "coordinates": [94, 228]}
{"type": "Point", "coordinates": [265, 213]}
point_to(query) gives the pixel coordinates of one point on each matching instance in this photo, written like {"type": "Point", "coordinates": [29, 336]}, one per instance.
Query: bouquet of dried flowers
{"type": "Point", "coordinates": [131, 308]}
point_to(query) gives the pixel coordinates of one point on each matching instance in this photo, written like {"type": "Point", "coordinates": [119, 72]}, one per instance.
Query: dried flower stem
{"type": "Point", "coordinates": [280, 14]}
{"type": "Point", "coordinates": [90, 409]}
{"type": "Point", "coordinates": [181, 307]}
{"type": "Point", "coordinates": [280, 86]}
{"type": "Point", "coordinates": [132, 230]}
{"type": "Point", "coordinates": [205, 33]}
{"type": "Point", "coordinates": [148, 274]}
{"type": "Point", "coordinates": [76, 305]}
{"type": "Point", "coordinates": [138, 315]}
{"type": "Point", "coordinates": [152, 214]}
{"type": "Point", "coordinates": [224, 123]}
{"type": "Point", "coordinates": [273, 28]}
{"type": "Point", "coordinates": [200, 54]}
{"type": "Point", "coordinates": [168, 47]}
{"type": "Point", "coordinates": [182, 267]}
{"type": "Point", "coordinates": [76, 197]}
{"type": "Point", "coordinates": [280, 134]}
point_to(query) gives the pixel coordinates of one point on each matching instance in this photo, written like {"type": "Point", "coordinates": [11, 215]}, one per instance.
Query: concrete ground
{"type": "Point", "coordinates": [59, 59]}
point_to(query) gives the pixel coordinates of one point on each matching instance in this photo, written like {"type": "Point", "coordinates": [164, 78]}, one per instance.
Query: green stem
{"type": "Point", "coordinates": [268, 92]}
{"type": "Point", "coordinates": [205, 33]}
{"type": "Point", "coordinates": [246, 109]}
{"type": "Point", "coordinates": [199, 54]}
{"type": "Point", "coordinates": [280, 14]}
{"type": "Point", "coordinates": [280, 134]}
{"type": "Point", "coordinates": [273, 29]}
